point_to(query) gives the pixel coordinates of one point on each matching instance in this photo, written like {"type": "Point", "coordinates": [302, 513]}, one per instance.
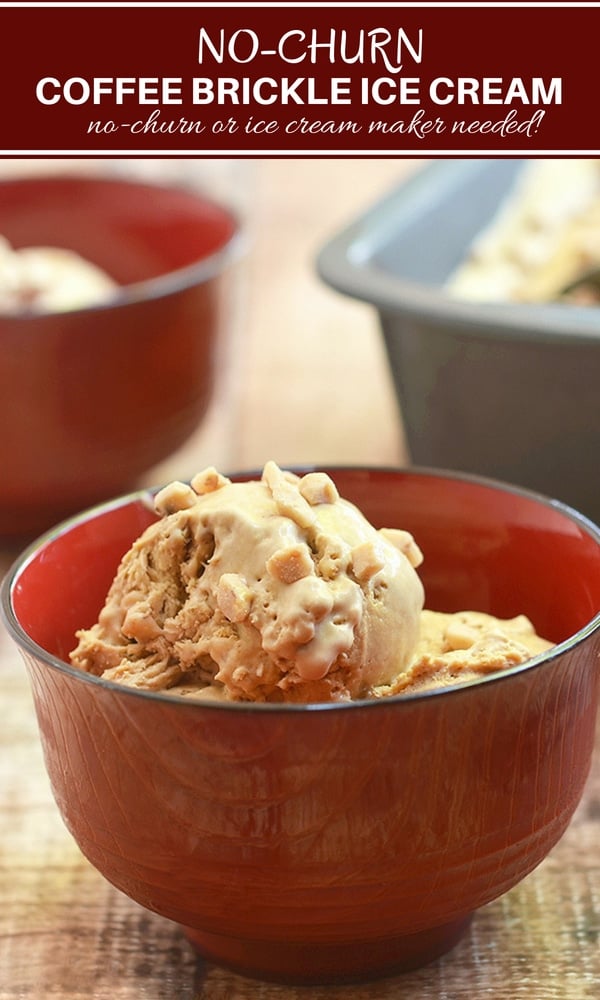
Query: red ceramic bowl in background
{"type": "Point", "coordinates": [91, 399]}
{"type": "Point", "coordinates": [336, 842]}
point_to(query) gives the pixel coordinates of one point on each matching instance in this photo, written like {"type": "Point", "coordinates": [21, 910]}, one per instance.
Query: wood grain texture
{"type": "Point", "coordinates": [65, 932]}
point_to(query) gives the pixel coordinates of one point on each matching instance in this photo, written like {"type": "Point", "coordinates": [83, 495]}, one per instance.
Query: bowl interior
{"type": "Point", "coordinates": [486, 548]}
{"type": "Point", "coordinates": [134, 231]}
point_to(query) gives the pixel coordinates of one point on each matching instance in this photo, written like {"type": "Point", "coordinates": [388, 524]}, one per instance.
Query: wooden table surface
{"type": "Point", "coordinates": [306, 381]}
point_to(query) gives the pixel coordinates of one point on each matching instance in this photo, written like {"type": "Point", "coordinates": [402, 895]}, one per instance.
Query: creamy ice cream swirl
{"type": "Point", "coordinates": [275, 589]}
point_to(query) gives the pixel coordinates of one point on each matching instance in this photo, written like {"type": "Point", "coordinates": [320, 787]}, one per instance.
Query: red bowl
{"type": "Point", "coordinates": [329, 842]}
{"type": "Point", "coordinates": [93, 398]}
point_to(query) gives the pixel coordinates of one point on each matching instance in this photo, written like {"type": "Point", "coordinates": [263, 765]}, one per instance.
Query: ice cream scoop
{"type": "Point", "coordinates": [49, 279]}
{"type": "Point", "coordinates": [273, 589]}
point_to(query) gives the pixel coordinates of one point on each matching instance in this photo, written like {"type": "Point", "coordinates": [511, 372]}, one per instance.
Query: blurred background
{"type": "Point", "coordinates": [302, 375]}
{"type": "Point", "coordinates": [393, 369]}
{"type": "Point", "coordinates": [307, 379]}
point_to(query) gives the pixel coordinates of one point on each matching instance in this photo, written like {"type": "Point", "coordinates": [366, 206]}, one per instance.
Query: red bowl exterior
{"type": "Point", "coordinates": [329, 842]}
{"type": "Point", "coordinates": [91, 399]}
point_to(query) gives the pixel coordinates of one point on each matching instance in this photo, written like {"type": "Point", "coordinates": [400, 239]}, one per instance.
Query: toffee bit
{"type": "Point", "coordinates": [208, 481]}
{"type": "Point", "coordinates": [287, 496]}
{"type": "Point", "coordinates": [234, 597]}
{"type": "Point", "coordinates": [404, 541]}
{"type": "Point", "coordinates": [318, 487]}
{"type": "Point", "coordinates": [367, 560]}
{"type": "Point", "coordinates": [173, 498]}
{"type": "Point", "coordinates": [291, 564]}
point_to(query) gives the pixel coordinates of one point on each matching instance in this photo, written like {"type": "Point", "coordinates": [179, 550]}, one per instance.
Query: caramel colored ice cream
{"type": "Point", "coordinates": [269, 590]}
{"type": "Point", "coordinates": [279, 590]}
{"type": "Point", "coordinates": [544, 235]}
{"type": "Point", "coordinates": [465, 646]}
{"type": "Point", "coordinates": [49, 279]}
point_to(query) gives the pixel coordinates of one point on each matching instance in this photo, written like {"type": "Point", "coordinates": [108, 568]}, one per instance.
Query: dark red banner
{"type": "Point", "coordinates": [301, 80]}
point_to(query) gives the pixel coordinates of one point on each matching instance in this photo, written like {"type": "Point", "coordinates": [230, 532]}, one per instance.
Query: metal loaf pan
{"type": "Point", "coordinates": [503, 390]}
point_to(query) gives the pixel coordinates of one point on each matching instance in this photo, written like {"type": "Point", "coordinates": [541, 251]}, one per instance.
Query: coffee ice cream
{"type": "Point", "coordinates": [465, 646]}
{"type": "Point", "coordinates": [49, 279]}
{"type": "Point", "coordinates": [544, 235]}
{"type": "Point", "coordinates": [269, 590]}
{"type": "Point", "coordinates": [279, 590]}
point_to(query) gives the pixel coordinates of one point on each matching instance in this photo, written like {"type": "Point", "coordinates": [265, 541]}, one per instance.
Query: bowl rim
{"type": "Point", "coordinates": [345, 262]}
{"type": "Point", "coordinates": [149, 289]}
{"type": "Point", "coordinates": [145, 497]}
